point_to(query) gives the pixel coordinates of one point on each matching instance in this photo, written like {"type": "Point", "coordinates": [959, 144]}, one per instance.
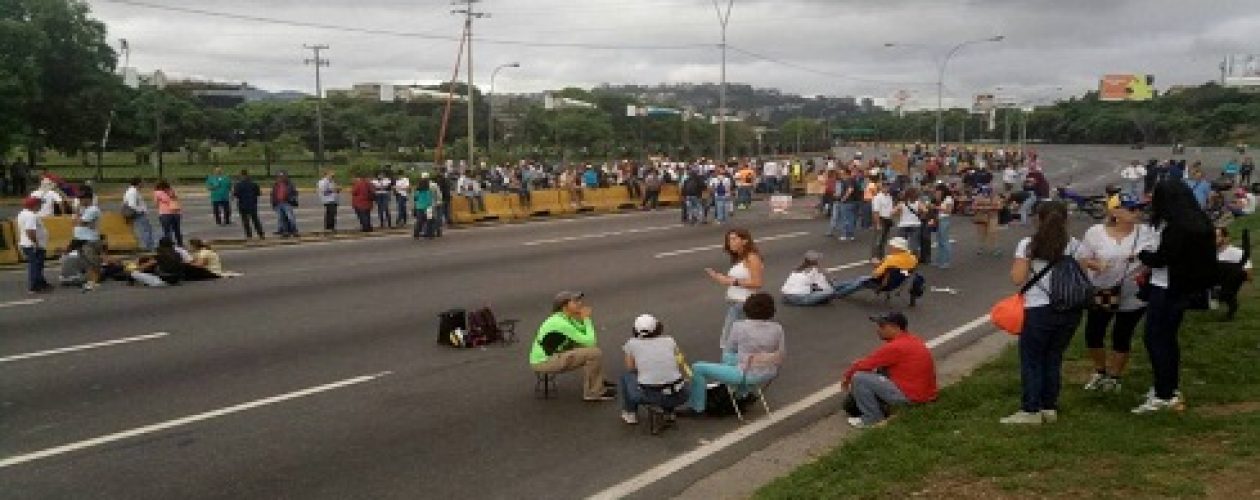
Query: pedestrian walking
{"type": "Point", "coordinates": [909, 213]}
{"type": "Point", "coordinates": [382, 186]}
{"type": "Point", "coordinates": [362, 195]}
{"type": "Point", "coordinates": [943, 205]}
{"type": "Point", "coordinates": [33, 240]}
{"type": "Point", "coordinates": [402, 190]}
{"type": "Point", "coordinates": [136, 212]}
{"type": "Point", "coordinates": [882, 209]}
{"type": "Point", "coordinates": [423, 203]}
{"type": "Point", "coordinates": [220, 189]}
{"type": "Point", "coordinates": [742, 280]}
{"type": "Point", "coordinates": [247, 192]}
{"type": "Point", "coordinates": [329, 193]}
{"type": "Point", "coordinates": [284, 197]}
{"type": "Point", "coordinates": [720, 186]}
{"type": "Point", "coordinates": [170, 211]}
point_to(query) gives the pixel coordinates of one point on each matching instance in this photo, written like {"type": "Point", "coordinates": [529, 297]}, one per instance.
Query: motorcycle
{"type": "Point", "coordinates": [1093, 205]}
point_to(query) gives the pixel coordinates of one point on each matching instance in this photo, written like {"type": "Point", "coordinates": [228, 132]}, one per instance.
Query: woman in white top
{"type": "Point", "coordinates": [908, 213]}
{"type": "Point", "coordinates": [807, 285]}
{"type": "Point", "coordinates": [742, 280]}
{"type": "Point", "coordinates": [943, 202]}
{"type": "Point", "coordinates": [1109, 252]}
{"type": "Point", "coordinates": [402, 192]}
{"type": "Point", "coordinates": [1047, 331]}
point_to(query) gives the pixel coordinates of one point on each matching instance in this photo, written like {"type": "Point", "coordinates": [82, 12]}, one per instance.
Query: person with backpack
{"type": "Point", "coordinates": [1109, 252]}
{"type": "Point", "coordinates": [1046, 268]}
{"type": "Point", "coordinates": [720, 186]}
{"type": "Point", "coordinates": [566, 341]}
{"type": "Point", "coordinates": [1183, 268]}
{"type": "Point", "coordinates": [692, 191]}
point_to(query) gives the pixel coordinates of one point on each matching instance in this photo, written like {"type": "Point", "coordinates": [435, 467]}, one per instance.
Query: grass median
{"type": "Point", "coordinates": [956, 449]}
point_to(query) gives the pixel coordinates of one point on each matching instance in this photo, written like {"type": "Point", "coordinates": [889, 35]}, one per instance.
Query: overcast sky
{"type": "Point", "coordinates": [831, 47]}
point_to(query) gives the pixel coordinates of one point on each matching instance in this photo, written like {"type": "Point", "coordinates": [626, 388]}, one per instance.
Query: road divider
{"type": "Point", "coordinates": [82, 347]}
{"type": "Point", "coordinates": [179, 422]}
{"type": "Point", "coordinates": [717, 247]}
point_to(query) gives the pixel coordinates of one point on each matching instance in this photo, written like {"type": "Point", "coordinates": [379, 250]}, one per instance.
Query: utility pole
{"type": "Point", "coordinates": [469, 14]}
{"type": "Point", "coordinates": [319, 104]}
{"type": "Point", "coordinates": [724, 19]}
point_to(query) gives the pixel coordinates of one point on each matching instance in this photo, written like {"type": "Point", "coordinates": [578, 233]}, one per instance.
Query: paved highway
{"type": "Point", "coordinates": [316, 374]}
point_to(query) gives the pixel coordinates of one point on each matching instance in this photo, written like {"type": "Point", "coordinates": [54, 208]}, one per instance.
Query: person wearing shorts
{"type": "Point", "coordinates": [85, 230]}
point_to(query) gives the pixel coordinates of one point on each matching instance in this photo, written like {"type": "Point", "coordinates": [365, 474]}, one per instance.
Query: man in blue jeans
{"type": "Point", "coordinates": [284, 196]}
{"type": "Point", "coordinates": [33, 240]}
{"type": "Point", "coordinates": [899, 372]}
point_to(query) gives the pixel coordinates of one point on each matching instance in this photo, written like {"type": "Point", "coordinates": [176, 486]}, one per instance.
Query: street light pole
{"type": "Point", "coordinates": [319, 105]}
{"type": "Point", "coordinates": [723, 19]}
{"type": "Point", "coordinates": [159, 82]}
{"type": "Point", "coordinates": [490, 101]}
{"type": "Point", "coordinates": [940, 81]}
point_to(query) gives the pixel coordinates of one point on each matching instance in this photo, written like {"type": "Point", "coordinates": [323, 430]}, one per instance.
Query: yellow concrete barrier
{"type": "Point", "coordinates": [9, 253]}
{"type": "Point", "coordinates": [60, 232]}
{"type": "Point", "coordinates": [670, 195]}
{"type": "Point", "coordinates": [118, 233]}
{"type": "Point", "coordinates": [608, 199]}
{"type": "Point", "coordinates": [578, 200]}
{"type": "Point", "coordinates": [461, 211]}
{"type": "Point", "coordinates": [503, 206]}
{"type": "Point", "coordinates": [549, 202]}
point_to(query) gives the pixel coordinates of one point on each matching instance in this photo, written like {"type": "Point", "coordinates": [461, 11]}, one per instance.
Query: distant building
{"type": "Point", "coordinates": [386, 92]}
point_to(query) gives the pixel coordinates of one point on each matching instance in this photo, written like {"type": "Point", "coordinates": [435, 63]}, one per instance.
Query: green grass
{"type": "Point", "coordinates": [956, 449]}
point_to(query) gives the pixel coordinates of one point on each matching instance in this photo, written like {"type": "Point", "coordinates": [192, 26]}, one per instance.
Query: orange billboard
{"type": "Point", "coordinates": [1125, 88]}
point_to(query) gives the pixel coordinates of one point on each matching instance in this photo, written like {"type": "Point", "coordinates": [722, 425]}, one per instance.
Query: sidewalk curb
{"type": "Point", "coordinates": [785, 454]}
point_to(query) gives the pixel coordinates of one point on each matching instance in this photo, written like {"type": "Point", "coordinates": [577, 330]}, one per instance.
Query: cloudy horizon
{"type": "Point", "coordinates": [808, 47]}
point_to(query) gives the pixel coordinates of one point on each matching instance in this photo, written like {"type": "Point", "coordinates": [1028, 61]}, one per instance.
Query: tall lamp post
{"type": "Point", "coordinates": [723, 19]}
{"type": "Point", "coordinates": [490, 101]}
{"type": "Point", "coordinates": [159, 82]}
{"type": "Point", "coordinates": [940, 79]}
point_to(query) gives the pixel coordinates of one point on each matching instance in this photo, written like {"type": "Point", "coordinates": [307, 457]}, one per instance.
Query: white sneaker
{"type": "Point", "coordinates": [1022, 417]}
{"type": "Point", "coordinates": [629, 417]}
{"type": "Point", "coordinates": [855, 422]}
{"type": "Point", "coordinates": [1049, 416]}
{"type": "Point", "coordinates": [1154, 404]}
{"type": "Point", "coordinates": [1096, 382]}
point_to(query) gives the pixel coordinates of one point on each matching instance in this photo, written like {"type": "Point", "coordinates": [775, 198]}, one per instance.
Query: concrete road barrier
{"type": "Point", "coordinates": [502, 206]}
{"type": "Point", "coordinates": [60, 232]}
{"type": "Point", "coordinates": [670, 195]}
{"type": "Point", "coordinates": [118, 233]}
{"type": "Point", "coordinates": [8, 242]}
{"type": "Point", "coordinates": [549, 202]}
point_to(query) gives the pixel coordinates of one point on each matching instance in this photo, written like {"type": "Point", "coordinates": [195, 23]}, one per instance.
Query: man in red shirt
{"type": "Point", "coordinates": [900, 372]}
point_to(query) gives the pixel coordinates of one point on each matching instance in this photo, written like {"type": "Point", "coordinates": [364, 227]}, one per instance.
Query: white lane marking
{"type": "Point", "coordinates": [16, 303]}
{"type": "Point", "coordinates": [169, 424]}
{"type": "Point", "coordinates": [598, 235]}
{"type": "Point", "coordinates": [636, 483]}
{"type": "Point", "coordinates": [715, 247]}
{"type": "Point", "coordinates": [83, 347]}
{"type": "Point", "coordinates": [850, 265]}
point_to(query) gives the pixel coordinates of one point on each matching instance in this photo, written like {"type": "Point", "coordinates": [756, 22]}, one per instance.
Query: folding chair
{"type": "Point", "coordinates": [757, 388]}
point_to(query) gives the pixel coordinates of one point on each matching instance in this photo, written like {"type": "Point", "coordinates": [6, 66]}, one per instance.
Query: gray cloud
{"type": "Point", "coordinates": [1049, 44]}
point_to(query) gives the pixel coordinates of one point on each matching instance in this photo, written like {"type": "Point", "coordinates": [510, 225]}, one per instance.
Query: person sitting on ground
{"type": "Point", "coordinates": [566, 341]}
{"type": "Point", "coordinates": [899, 258]}
{"type": "Point", "coordinates": [653, 371]}
{"type": "Point", "coordinates": [168, 262]}
{"type": "Point", "coordinates": [754, 353]}
{"type": "Point", "coordinates": [807, 285]}
{"type": "Point", "coordinates": [204, 257]}
{"type": "Point", "coordinates": [899, 372]}
{"type": "Point", "coordinates": [145, 272]}
{"type": "Point", "coordinates": [1234, 267]}
{"type": "Point", "coordinates": [74, 268]}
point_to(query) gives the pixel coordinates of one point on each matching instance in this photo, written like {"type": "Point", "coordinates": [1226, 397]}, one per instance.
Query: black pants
{"type": "Point", "coordinates": [251, 217]}
{"type": "Point", "coordinates": [1121, 334]}
{"type": "Point", "coordinates": [365, 219]}
{"type": "Point", "coordinates": [877, 250]}
{"type": "Point", "coordinates": [330, 216]}
{"type": "Point", "coordinates": [652, 199]}
{"type": "Point", "coordinates": [1164, 312]}
{"type": "Point", "coordinates": [402, 209]}
{"type": "Point", "coordinates": [222, 212]}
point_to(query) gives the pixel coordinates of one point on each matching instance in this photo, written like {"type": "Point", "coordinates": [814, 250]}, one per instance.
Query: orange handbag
{"type": "Point", "coordinates": [1008, 314]}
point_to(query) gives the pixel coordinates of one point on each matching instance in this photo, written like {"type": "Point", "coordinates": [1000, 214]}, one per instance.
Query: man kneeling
{"type": "Point", "coordinates": [899, 258]}
{"type": "Point", "coordinates": [900, 372]}
{"type": "Point", "coordinates": [566, 342]}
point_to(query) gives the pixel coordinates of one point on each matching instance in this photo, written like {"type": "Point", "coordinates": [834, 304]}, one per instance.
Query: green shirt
{"type": "Point", "coordinates": [220, 187]}
{"type": "Point", "coordinates": [580, 333]}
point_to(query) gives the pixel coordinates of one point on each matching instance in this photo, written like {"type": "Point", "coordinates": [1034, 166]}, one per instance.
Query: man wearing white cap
{"type": "Point", "coordinates": [653, 371]}
{"type": "Point", "coordinates": [899, 258]}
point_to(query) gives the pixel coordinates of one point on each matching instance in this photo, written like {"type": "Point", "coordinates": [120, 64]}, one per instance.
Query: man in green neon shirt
{"type": "Point", "coordinates": [566, 342]}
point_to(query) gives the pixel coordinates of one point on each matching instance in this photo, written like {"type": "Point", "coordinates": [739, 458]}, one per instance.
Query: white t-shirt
{"type": "Point", "coordinates": [402, 185]}
{"type": "Point", "coordinates": [133, 199]}
{"type": "Point", "coordinates": [654, 359]}
{"type": "Point", "coordinates": [47, 200]}
{"type": "Point", "coordinates": [947, 207]}
{"type": "Point", "coordinates": [1010, 176]}
{"type": "Point", "coordinates": [908, 217]}
{"type": "Point", "coordinates": [1232, 254]}
{"type": "Point", "coordinates": [1037, 295]}
{"type": "Point", "coordinates": [1133, 173]}
{"type": "Point", "coordinates": [805, 282]}
{"type": "Point", "coordinates": [89, 219]}
{"type": "Point", "coordinates": [1119, 270]}
{"type": "Point", "coordinates": [882, 205]}
{"type": "Point", "coordinates": [28, 220]}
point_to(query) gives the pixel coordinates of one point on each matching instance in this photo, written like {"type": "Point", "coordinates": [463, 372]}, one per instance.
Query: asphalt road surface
{"type": "Point", "coordinates": [316, 374]}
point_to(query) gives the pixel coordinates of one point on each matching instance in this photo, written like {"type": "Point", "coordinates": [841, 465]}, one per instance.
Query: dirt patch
{"type": "Point", "coordinates": [949, 485]}
{"type": "Point", "coordinates": [1239, 481]}
{"type": "Point", "coordinates": [1228, 409]}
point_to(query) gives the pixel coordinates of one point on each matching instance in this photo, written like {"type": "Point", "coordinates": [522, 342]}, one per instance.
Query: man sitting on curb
{"type": "Point", "coordinates": [898, 258]}
{"type": "Point", "coordinates": [900, 372]}
{"type": "Point", "coordinates": [566, 342]}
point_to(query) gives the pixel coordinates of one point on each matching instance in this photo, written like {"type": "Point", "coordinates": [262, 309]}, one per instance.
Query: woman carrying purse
{"type": "Point", "coordinates": [1109, 253]}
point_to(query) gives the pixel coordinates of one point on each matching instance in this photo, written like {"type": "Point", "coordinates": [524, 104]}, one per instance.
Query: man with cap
{"type": "Point", "coordinates": [654, 371]}
{"type": "Point", "coordinates": [284, 196]}
{"type": "Point", "coordinates": [33, 241]}
{"type": "Point", "coordinates": [899, 258]}
{"type": "Point", "coordinates": [566, 341]}
{"type": "Point", "coordinates": [899, 372]}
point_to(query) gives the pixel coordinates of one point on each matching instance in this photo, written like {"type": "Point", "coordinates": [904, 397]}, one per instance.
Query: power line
{"type": "Point", "coordinates": [781, 62]}
{"type": "Point", "coordinates": [404, 34]}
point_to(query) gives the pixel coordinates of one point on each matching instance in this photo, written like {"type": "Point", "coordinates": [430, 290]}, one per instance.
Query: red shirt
{"type": "Point", "coordinates": [908, 363]}
{"type": "Point", "coordinates": [361, 195]}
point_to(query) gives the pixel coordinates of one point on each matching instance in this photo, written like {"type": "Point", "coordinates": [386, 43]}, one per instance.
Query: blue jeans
{"type": "Point", "coordinates": [807, 299]}
{"type": "Point", "coordinates": [170, 228]}
{"type": "Point", "coordinates": [694, 210]}
{"type": "Point", "coordinates": [744, 196]}
{"type": "Point", "coordinates": [727, 372]}
{"type": "Point", "coordinates": [35, 268]}
{"type": "Point", "coordinates": [847, 288]}
{"type": "Point", "coordinates": [143, 230]}
{"type": "Point", "coordinates": [632, 395]}
{"type": "Point", "coordinates": [836, 223]}
{"type": "Point", "coordinates": [402, 208]}
{"type": "Point", "coordinates": [720, 204]}
{"type": "Point", "coordinates": [865, 215]}
{"type": "Point", "coordinates": [871, 391]}
{"type": "Point", "coordinates": [286, 223]}
{"type": "Point", "coordinates": [848, 218]}
{"type": "Point", "coordinates": [1026, 208]}
{"type": "Point", "coordinates": [943, 246]}
{"type": "Point", "coordinates": [734, 312]}
{"type": "Point", "coordinates": [1043, 340]}
{"type": "Point", "coordinates": [382, 210]}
